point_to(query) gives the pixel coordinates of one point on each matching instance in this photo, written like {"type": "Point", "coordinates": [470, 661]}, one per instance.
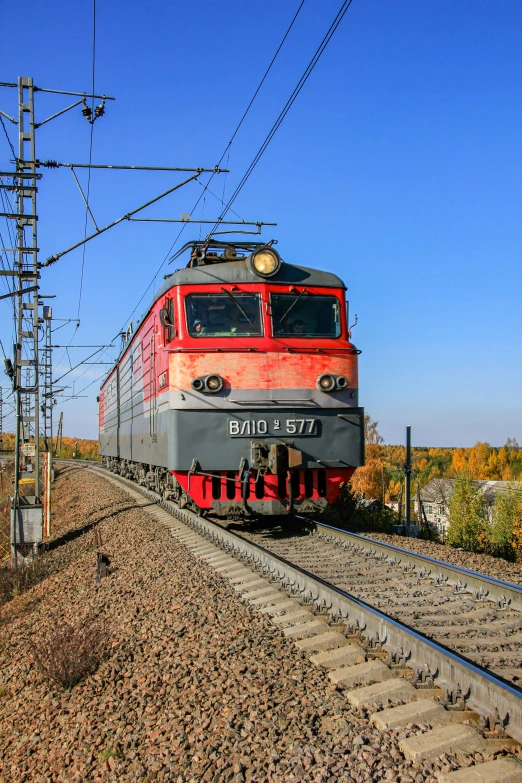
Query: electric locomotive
{"type": "Point", "coordinates": [237, 392]}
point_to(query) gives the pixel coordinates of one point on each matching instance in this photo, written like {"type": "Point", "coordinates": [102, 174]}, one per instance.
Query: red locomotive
{"type": "Point", "coordinates": [237, 393]}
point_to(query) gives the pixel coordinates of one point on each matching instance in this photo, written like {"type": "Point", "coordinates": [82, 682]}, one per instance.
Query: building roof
{"type": "Point", "coordinates": [368, 502]}
{"type": "Point", "coordinates": [439, 490]}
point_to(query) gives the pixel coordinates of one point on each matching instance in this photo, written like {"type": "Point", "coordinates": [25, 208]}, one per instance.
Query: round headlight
{"type": "Point", "coordinates": [197, 384]}
{"type": "Point", "coordinates": [213, 383]}
{"type": "Point", "coordinates": [326, 383]}
{"type": "Point", "coordinates": [342, 382]}
{"type": "Point", "coordinates": [265, 261]}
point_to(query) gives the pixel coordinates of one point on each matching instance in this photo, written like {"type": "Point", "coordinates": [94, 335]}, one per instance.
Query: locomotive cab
{"type": "Point", "coordinates": [245, 400]}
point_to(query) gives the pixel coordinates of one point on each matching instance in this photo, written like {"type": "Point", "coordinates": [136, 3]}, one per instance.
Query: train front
{"type": "Point", "coordinates": [264, 414]}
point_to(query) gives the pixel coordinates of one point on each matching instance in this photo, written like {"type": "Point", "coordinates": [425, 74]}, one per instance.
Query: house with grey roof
{"type": "Point", "coordinates": [435, 499]}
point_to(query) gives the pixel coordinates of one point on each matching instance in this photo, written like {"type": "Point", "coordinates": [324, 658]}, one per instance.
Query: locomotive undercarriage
{"type": "Point", "coordinates": [237, 495]}
{"type": "Point", "coordinates": [151, 477]}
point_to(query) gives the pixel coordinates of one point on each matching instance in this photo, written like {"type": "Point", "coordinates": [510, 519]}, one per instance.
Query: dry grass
{"type": "Point", "coordinates": [15, 581]}
{"type": "Point", "coordinates": [71, 650]}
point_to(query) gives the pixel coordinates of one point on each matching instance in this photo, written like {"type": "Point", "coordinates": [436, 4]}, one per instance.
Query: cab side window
{"type": "Point", "coordinates": [166, 315]}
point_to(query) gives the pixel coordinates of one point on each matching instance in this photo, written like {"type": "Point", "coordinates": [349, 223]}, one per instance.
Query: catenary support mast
{"type": "Point", "coordinates": [25, 370]}
{"type": "Point", "coordinates": [26, 516]}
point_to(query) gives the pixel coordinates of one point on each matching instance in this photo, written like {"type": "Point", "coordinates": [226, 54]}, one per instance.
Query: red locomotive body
{"type": "Point", "coordinates": [238, 391]}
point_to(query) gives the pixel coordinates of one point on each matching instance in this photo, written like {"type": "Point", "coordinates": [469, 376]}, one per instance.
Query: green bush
{"type": "Point", "coordinates": [350, 513]}
{"type": "Point", "coordinates": [467, 515]}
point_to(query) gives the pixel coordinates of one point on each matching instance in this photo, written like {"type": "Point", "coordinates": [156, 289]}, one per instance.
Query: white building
{"type": "Point", "coordinates": [435, 499]}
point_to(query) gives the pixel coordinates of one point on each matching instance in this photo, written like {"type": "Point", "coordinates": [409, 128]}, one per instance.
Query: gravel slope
{"type": "Point", "coordinates": [199, 687]}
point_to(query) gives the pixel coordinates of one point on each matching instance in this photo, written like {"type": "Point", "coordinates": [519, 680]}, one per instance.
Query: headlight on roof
{"type": "Point", "coordinates": [265, 261]}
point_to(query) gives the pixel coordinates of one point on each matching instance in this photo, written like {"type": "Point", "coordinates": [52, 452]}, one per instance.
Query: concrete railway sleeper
{"type": "Point", "coordinates": [464, 580]}
{"type": "Point", "coordinates": [395, 673]}
{"type": "Point", "coordinates": [471, 622]}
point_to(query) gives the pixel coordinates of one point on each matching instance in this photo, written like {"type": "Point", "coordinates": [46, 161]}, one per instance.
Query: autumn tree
{"type": "Point", "coordinates": [467, 514]}
{"type": "Point", "coordinates": [478, 461]}
{"type": "Point", "coordinates": [370, 479]}
{"type": "Point", "coordinates": [459, 460]}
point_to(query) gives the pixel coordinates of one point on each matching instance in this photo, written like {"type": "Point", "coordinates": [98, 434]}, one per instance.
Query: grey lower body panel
{"type": "Point", "coordinates": [220, 440]}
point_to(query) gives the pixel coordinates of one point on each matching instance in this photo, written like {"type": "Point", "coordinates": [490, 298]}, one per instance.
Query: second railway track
{"type": "Point", "coordinates": [472, 614]}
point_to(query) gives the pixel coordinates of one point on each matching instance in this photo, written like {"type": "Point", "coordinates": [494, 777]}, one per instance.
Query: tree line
{"type": "Point", "coordinates": [383, 474]}
{"type": "Point", "coordinates": [473, 524]}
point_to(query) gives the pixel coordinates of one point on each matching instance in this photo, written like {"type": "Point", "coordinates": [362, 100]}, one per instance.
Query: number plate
{"type": "Point", "coordinates": [271, 427]}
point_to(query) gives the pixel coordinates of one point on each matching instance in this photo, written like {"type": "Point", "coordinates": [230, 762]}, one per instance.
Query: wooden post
{"type": "Point", "coordinates": [47, 477]}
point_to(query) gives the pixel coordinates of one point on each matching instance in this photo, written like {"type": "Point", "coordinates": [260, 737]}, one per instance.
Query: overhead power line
{"type": "Point", "coordinates": [288, 105]}
{"type": "Point", "coordinates": [261, 82]}
{"type": "Point", "coordinates": [87, 210]}
{"type": "Point", "coordinates": [7, 137]}
{"type": "Point", "coordinates": [225, 152]}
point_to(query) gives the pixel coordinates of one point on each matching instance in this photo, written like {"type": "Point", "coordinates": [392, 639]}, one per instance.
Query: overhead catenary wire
{"type": "Point", "coordinates": [5, 263]}
{"type": "Point", "coordinates": [88, 193]}
{"type": "Point", "coordinates": [225, 151]}
{"type": "Point", "coordinates": [98, 377]}
{"type": "Point", "coordinates": [288, 105]}
{"type": "Point", "coordinates": [8, 137]}
{"type": "Point", "coordinates": [90, 156]}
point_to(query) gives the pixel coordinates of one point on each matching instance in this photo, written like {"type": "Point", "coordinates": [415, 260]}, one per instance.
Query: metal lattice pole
{"type": "Point", "coordinates": [46, 366]}
{"type": "Point", "coordinates": [26, 519]}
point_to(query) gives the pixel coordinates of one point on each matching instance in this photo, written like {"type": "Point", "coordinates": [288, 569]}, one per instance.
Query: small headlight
{"type": "Point", "coordinates": [326, 383]}
{"type": "Point", "coordinates": [213, 383]}
{"type": "Point", "coordinates": [197, 384]}
{"type": "Point", "coordinates": [342, 382]}
{"type": "Point", "coordinates": [265, 261]}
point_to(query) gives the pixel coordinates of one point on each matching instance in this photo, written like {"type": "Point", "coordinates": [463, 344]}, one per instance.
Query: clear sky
{"type": "Point", "coordinates": [398, 168]}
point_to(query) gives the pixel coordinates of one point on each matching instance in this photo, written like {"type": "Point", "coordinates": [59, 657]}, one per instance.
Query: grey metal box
{"type": "Point", "coordinates": [28, 527]}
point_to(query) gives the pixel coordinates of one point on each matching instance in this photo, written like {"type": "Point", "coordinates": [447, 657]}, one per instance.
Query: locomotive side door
{"type": "Point", "coordinates": [118, 411]}
{"type": "Point", "coordinates": [152, 387]}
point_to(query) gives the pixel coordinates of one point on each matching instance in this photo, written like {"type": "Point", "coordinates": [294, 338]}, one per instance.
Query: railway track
{"type": "Point", "coordinates": [472, 614]}
{"type": "Point", "coordinates": [400, 669]}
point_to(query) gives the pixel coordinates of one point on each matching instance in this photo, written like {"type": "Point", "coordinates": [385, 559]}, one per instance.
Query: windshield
{"type": "Point", "coordinates": [306, 315]}
{"type": "Point", "coordinates": [223, 315]}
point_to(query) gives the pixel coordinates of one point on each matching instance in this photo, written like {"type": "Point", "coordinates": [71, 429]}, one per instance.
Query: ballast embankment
{"type": "Point", "coordinates": [198, 686]}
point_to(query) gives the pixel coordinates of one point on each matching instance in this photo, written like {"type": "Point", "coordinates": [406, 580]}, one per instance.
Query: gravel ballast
{"type": "Point", "coordinates": [198, 685]}
{"type": "Point", "coordinates": [495, 567]}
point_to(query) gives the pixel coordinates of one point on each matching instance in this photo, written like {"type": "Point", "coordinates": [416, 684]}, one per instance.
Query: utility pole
{"type": "Point", "coordinates": [408, 475]}
{"type": "Point", "coordinates": [46, 367]}
{"type": "Point", "coordinates": [59, 434]}
{"type": "Point", "coordinates": [27, 510]}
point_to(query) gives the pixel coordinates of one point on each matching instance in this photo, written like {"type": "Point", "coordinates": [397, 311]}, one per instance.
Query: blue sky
{"type": "Point", "coordinates": [398, 167]}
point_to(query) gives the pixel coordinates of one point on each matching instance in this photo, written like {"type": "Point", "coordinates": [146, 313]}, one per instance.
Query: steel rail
{"type": "Point", "coordinates": [466, 580]}
{"type": "Point", "coordinates": [483, 690]}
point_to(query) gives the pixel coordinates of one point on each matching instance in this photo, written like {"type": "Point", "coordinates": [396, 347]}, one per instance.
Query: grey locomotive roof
{"type": "Point", "coordinates": [240, 272]}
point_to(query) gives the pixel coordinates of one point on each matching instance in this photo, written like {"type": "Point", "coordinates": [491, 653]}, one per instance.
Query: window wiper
{"type": "Point", "coordinates": [237, 305]}
{"type": "Point", "coordinates": [292, 306]}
